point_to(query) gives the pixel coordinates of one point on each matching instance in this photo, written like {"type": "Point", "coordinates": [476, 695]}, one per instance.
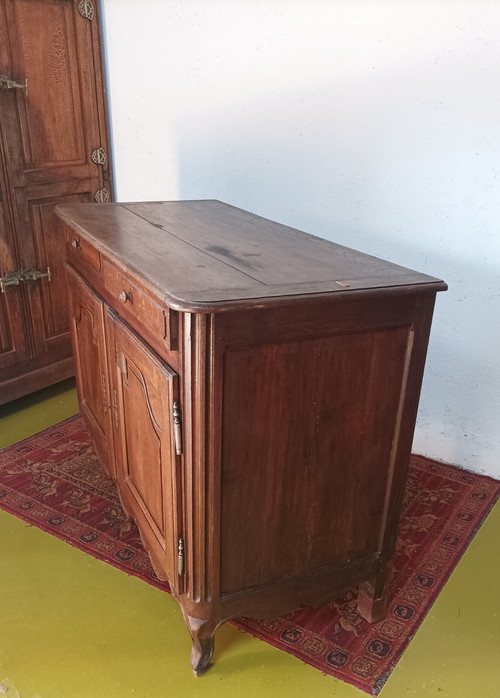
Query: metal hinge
{"type": "Point", "coordinates": [176, 418]}
{"type": "Point", "coordinates": [86, 9]}
{"type": "Point", "coordinates": [99, 156]}
{"type": "Point", "coordinates": [102, 196]}
{"type": "Point", "coordinates": [122, 364]}
{"type": "Point", "coordinates": [180, 557]}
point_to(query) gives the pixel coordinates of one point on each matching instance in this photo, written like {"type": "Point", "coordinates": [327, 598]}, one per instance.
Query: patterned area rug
{"type": "Point", "coordinates": [54, 481]}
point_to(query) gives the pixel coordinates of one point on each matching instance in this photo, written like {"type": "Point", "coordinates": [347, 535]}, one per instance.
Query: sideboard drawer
{"type": "Point", "coordinates": [84, 251]}
{"type": "Point", "coordinates": [82, 255]}
{"type": "Point", "coordinates": [134, 302]}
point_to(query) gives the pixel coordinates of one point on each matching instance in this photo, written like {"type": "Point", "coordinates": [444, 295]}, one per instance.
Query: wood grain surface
{"type": "Point", "coordinates": [208, 255]}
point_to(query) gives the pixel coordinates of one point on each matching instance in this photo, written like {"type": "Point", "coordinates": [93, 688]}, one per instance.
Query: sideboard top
{"type": "Point", "coordinates": [208, 255]}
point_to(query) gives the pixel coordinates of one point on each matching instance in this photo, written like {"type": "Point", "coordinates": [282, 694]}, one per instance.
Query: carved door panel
{"type": "Point", "coordinates": [87, 327]}
{"type": "Point", "coordinates": [145, 393]}
{"type": "Point", "coordinates": [55, 148]}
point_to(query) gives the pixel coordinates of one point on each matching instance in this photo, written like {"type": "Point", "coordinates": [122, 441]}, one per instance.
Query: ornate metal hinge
{"type": "Point", "coordinates": [180, 557]}
{"type": "Point", "coordinates": [86, 9]}
{"type": "Point", "coordinates": [99, 156]}
{"type": "Point", "coordinates": [176, 418]}
{"type": "Point", "coordinates": [102, 196]}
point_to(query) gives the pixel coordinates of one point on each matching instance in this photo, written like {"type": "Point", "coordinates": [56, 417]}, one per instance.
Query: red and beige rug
{"type": "Point", "coordinates": [54, 481]}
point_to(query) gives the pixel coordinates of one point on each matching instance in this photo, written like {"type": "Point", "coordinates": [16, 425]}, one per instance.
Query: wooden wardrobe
{"type": "Point", "coordinates": [53, 149]}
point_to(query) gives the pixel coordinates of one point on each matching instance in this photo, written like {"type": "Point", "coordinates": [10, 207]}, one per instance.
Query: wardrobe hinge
{"type": "Point", "coordinates": [180, 557]}
{"type": "Point", "coordinates": [86, 9]}
{"type": "Point", "coordinates": [176, 418]}
{"type": "Point", "coordinates": [99, 156]}
{"type": "Point", "coordinates": [102, 196]}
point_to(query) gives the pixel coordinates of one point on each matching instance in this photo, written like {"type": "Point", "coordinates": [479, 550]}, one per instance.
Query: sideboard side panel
{"type": "Point", "coordinates": [308, 428]}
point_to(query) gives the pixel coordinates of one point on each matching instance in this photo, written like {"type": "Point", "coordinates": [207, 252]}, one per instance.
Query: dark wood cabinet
{"type": "Point", "coordinates": [53, 149]}
{"type": "Point", "coordinates": [264, 386]}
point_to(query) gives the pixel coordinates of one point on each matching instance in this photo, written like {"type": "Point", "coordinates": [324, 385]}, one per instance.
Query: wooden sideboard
{"type": "Point", "coordinates": [253, 390]}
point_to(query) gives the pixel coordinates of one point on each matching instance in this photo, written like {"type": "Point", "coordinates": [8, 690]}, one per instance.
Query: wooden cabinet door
{"type": "Point", "coordinates": [49, 131]}
{"type": "Point", "coordinates": [145, 391]}
{"type": "Point", "coordinates": [87, 328]}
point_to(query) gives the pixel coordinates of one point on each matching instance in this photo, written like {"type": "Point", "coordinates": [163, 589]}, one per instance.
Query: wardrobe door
{"type": "Point", "coordinates": [12, 336]}
{"type": "Point", "coordinates": [55, 150]}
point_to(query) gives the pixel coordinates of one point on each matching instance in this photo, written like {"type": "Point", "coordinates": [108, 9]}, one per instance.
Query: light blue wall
{"type": "Point", "coordinates": [373, 124]}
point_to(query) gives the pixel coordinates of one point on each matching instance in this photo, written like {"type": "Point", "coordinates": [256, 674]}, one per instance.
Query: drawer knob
{"type": "Point", "coordinates": [75, 244]}
{"type": "Point", "coordinates": [125, 296]}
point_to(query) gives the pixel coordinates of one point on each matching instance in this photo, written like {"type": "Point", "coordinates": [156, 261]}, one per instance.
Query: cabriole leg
{"type": "Point", "coordinates": [202, 634]}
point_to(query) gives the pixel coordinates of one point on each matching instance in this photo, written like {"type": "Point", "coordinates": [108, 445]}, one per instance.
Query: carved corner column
{"type": "Point", "coordinates": [200, 601]}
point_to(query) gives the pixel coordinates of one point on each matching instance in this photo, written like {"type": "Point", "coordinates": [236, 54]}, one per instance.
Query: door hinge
{"type": "Point", "coordinates": [122, 364]}
{"type": "Point", "coordinates": [99, 156]}
{"type": "Point", "coordinates": [180, 557]}
{"type": "Point", "coordinates": [102, 196]}
{"type": "Point", "coordinates": [176, 418]}
{"type": "Point", "coordinates": [86, 9]}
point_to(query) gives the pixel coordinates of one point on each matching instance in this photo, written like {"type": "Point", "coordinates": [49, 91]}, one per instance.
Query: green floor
{"type": "Point", "coordinates": [74, 627]}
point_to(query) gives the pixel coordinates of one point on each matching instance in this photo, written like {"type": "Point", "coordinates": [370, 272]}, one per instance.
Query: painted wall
{"type": "Point", "coordinates": [372, 123]}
